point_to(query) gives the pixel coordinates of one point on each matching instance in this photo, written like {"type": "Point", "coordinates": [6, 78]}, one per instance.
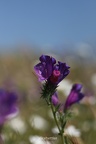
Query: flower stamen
{"type": "Point", "coordinates": [55, 76]}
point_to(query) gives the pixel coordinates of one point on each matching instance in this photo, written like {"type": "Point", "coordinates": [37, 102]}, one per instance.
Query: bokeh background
{"type": "Point", "coordinates": [63, 29]}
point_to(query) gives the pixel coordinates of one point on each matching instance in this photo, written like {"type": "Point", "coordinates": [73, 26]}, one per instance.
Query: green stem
{"type": "Point", "coordinates": [60, 131]}
{"type": "Point", "coordinates": [1, 141]}
{"type": "Point", "coordinates": [62, 137]}
{"type": "Point", "coordinates": [65, 139]}
{"type": "Point", "coordinates": [54, 114]}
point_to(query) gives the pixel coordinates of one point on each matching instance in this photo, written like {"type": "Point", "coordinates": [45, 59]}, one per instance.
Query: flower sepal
{"type": "Point", "coordinates": [48, 90]}
{"type": "Point", "coordinates": [68, 115]}
{"type": "Point", "coordinates": [63, 118]}
{"type": "Point", "coordinates": [57, 107]}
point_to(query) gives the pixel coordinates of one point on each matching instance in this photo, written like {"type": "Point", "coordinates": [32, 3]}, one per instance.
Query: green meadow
{"type": "Point", "coordinates": [35, 118]}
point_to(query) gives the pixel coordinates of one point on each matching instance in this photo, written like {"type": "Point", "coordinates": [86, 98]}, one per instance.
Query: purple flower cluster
{"type": "Point", "coordinates": [8, 102]}
{"type": "Point", "coordinates": [48, 70]}
{"type": "Point", "coordinates": [74, 97]}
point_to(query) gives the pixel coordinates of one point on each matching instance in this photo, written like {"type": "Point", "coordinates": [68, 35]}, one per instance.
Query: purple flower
{"type": "Point", "coordinates": [74, 96]}
{"type": "Point", "coordinates": [7, 104]}
{"type": "Point", "coordinates": [48, 70]}
{"type": "Point", "coordinates": [54, 99]}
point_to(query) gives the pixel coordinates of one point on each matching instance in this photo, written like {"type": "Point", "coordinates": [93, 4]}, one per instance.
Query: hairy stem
{"type": "Point", "coordinates": [56, 121]}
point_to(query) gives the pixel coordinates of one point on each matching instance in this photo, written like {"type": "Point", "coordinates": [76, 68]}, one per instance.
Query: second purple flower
{"type": "Point", "coordinates": [74, 97]}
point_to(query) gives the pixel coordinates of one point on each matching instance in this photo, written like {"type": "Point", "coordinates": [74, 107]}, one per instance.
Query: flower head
{"type": "Point", "coordinates": [7, 104]}
{"type": "Point", "coordinates": [74, 96]}
{"type": "Point", "coordinates": [48, 70]}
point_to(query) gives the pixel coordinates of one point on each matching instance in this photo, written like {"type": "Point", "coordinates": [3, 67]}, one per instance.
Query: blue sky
{"type": "Point", "coordinates": [47, 22]}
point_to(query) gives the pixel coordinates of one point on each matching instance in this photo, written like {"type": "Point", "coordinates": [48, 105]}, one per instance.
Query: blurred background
{"type": "Point", "coordinates": [65, 30]}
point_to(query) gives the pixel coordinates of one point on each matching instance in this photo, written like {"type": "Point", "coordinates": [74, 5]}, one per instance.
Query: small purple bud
{"type": "Point", "coordinates": [54, 99]}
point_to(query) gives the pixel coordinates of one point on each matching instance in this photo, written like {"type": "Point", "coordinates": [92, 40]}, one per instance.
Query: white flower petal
{"type": "Point", "coordinates": [65, 86]}
{"type": "Point", "coordinates": [71, 130]}
{"type": "Point", "coordinates": [18, 125]}
{"type": "Point", "coordinates": [38, 122]}
{"type": "Point", "coordinates": [38, 140]}
{"type": "Point", "coordinates": [55, 130]}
